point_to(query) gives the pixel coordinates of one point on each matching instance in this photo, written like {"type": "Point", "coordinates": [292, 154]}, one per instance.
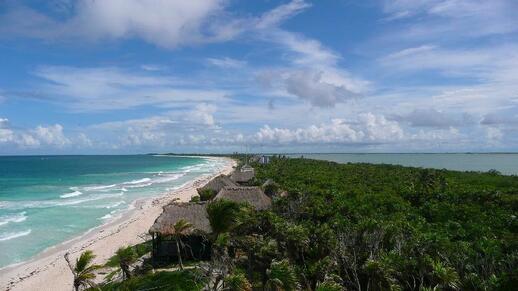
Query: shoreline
{"type": "Point", "coordinates": [49, 271]}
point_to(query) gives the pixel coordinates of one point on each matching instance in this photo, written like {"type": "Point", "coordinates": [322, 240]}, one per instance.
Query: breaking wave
{"type": "Point", "coordinates": [18, 217]}
{"type": "Point", "coordinates": [12, 235]}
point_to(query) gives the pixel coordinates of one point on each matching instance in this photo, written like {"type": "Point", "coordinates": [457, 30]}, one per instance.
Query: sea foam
{"type": "Point", "coordinates": [72, 194]}
{"type": "Point", "coordinates": [139, 181]}
{"type": "Point", "coordinates": [18, 217]}
{"type": "Point", "coordinates": [12, 235]}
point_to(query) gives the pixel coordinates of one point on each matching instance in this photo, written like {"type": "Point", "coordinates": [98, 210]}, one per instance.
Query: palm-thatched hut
{"type": "Point", "coordinates": [196, 244]}
{"type": "Point", "coordinates": [243, 175]}
{"type": "Point", "coordinates": [251, 195]}
{"type": "Point", "coordinates": [218, 183]}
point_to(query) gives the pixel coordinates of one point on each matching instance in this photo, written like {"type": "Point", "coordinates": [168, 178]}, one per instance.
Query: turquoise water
{"type": "Point", "coordinates": [505, 163]}
{"type": "Point", "coordinates": [46, 200]}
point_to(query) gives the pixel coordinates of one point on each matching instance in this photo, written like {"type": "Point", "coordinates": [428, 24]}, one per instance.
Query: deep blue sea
{"type": "Point", "coordinates": [46, 200]}
{"type": "Point", "coordinates": [506, 163]}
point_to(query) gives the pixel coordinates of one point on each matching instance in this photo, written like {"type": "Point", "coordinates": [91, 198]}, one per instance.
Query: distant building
{"type": "Point", "coordinates": [263, 160]}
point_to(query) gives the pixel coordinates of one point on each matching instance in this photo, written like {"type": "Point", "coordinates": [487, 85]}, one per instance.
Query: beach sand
{"type": "Point", "coordinates": [49, 270]}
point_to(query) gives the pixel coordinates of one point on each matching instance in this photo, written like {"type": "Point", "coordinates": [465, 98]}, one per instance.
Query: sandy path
{"type": "Point", "coordinates": [49, 271]}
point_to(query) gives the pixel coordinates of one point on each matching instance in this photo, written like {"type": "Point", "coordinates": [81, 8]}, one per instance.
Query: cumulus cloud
{"type": "Point", "coordinates": [6, 134]}
{"type": "Point", "coordinates": [48, 136]}
{"type": "Point", "coordinates": [51, 135]}
{"type": "Point", "coordinates": [311, 87]}
{"type": "Point", "coordinates": [368, 128]}
{"type": "Point", "coordinates": [172, 128]}
{"type": "Point", "coordinates": [203, 114]}
{"type": "Point", "coordinates": [313, 75]}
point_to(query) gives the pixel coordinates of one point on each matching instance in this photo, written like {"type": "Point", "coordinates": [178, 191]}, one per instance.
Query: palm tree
{"type": "Point", "coordinates": [83, 271]}
{"type": "Point", "coordinates": [179, 230]}
{"type": "Point", "coordinates": [237, 282]}
{"type": "Point", "coordinates": [125, 257]}
{"type": "Point", "coordinates": [223, 215]}
{"type": "Point", "coordinates": [282, 276]}
{"type": "Point", "coordinates": [445, 276]}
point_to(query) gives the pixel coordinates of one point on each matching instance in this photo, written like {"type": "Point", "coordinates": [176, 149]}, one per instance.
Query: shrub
{"type": "Point", "coordinates": [207, 194]}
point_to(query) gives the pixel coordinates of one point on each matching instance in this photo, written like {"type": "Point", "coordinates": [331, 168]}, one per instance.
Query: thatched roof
{"type": "Point", "coordinates": [246, 167]}
{"type": "Point", "coordinates": [243, 176]}
{"type": "Point", "coordinates": [251, 195]}
{"type": "Point", "coordinates": [194, 213]}
{"type": "Point", "coordinates": [218, 183]}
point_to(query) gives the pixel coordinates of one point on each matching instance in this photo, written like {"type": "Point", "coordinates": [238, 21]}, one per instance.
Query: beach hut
{"type": "Point", "coordinates": [218, 183]}
{"type": "Point", "coordinates": [245, 174]}
{"type": "Point", "coordinates": [197, 246]}
{"type": "Point", "coordinates": [251, 195]}
{"type": "Point", "coordinates": [246, 168]}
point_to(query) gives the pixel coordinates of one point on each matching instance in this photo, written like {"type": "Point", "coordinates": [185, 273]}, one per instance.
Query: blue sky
{"type": "Point", "coordinates": [136, 76]}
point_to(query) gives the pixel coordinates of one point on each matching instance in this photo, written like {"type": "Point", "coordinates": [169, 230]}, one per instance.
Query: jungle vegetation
{"type": "Point", "coordinates": [363, 227]}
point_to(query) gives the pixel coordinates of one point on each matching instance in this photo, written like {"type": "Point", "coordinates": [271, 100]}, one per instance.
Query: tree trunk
{"type": "Point", "coordinates": [250, 268]}
{"type": "Point", "coordinates": [179, 254]}
{"type": "Point", "coordinates": [125, 271]}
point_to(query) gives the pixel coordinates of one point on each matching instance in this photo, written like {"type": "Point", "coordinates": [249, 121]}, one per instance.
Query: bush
{"type": "Point", "coordinates": [207, 194]}
{"type": "Point", "coordinates": [237, 282]}
{"type": "Point", "coordinates": [271, 189]}
{"type": "Point", "coordinates": [164, 281]}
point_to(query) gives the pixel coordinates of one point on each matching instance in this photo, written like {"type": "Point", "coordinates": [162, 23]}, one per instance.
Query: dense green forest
{"type": "Point", "coordinates": [382, 227]}
{"type": "Point", "coordinates": [359, 227]}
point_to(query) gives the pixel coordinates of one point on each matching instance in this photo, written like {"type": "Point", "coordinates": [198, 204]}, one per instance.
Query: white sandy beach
{"type": "Point", "coordinates": [49, 271]}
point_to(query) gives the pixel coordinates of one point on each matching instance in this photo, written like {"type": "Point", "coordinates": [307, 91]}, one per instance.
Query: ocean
{"type": "Point", "coordinates": [506, 163]}
{"type": "Point", "coordinates": [46, 200]}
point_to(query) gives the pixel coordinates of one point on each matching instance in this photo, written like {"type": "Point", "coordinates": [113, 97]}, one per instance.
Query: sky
{"type": "Point", "coordinates": [217, 76]}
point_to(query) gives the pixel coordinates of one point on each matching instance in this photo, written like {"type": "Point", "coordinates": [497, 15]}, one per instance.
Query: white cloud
{"type": "Point", "coordinates": [40, 136]}
{"type": "Point", "coordinates": [453, 19]}
{"type": "Point", "coordinates": [368, 128]}
{"type": "Point", "coordinates": [152, 68]}
{"type": "Point", "coordinates": [310, 86]}
{"type": "Point", "coordinates": [6, 134]}
{"type": "Point", "coordinates": [472, 62]}
{"type": "Point", "coordinates": [494, 134]}
{"type": "Point", "coordinates": [313, 74]}
{"type": "Point", "coordinates": [166, 23]}
{"type": "Point", "coordinates": [226, 62]}
{"type": "Point", "coordinates": [98, 89]}
{"type": "Point", "coordinates": [276, 16]}
{"type": "Point", "coordinates": [51, 135]}
{"type": "Point", "coordinates": [203, 114]}
{"type": "Point", "coordinates": [162, 22]}
{"type": "Point", "coordinates": [430, 117]}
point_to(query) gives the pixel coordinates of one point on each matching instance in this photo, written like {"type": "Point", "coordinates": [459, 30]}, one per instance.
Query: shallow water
{"type": "Point", "coordinates": [46, 200]}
